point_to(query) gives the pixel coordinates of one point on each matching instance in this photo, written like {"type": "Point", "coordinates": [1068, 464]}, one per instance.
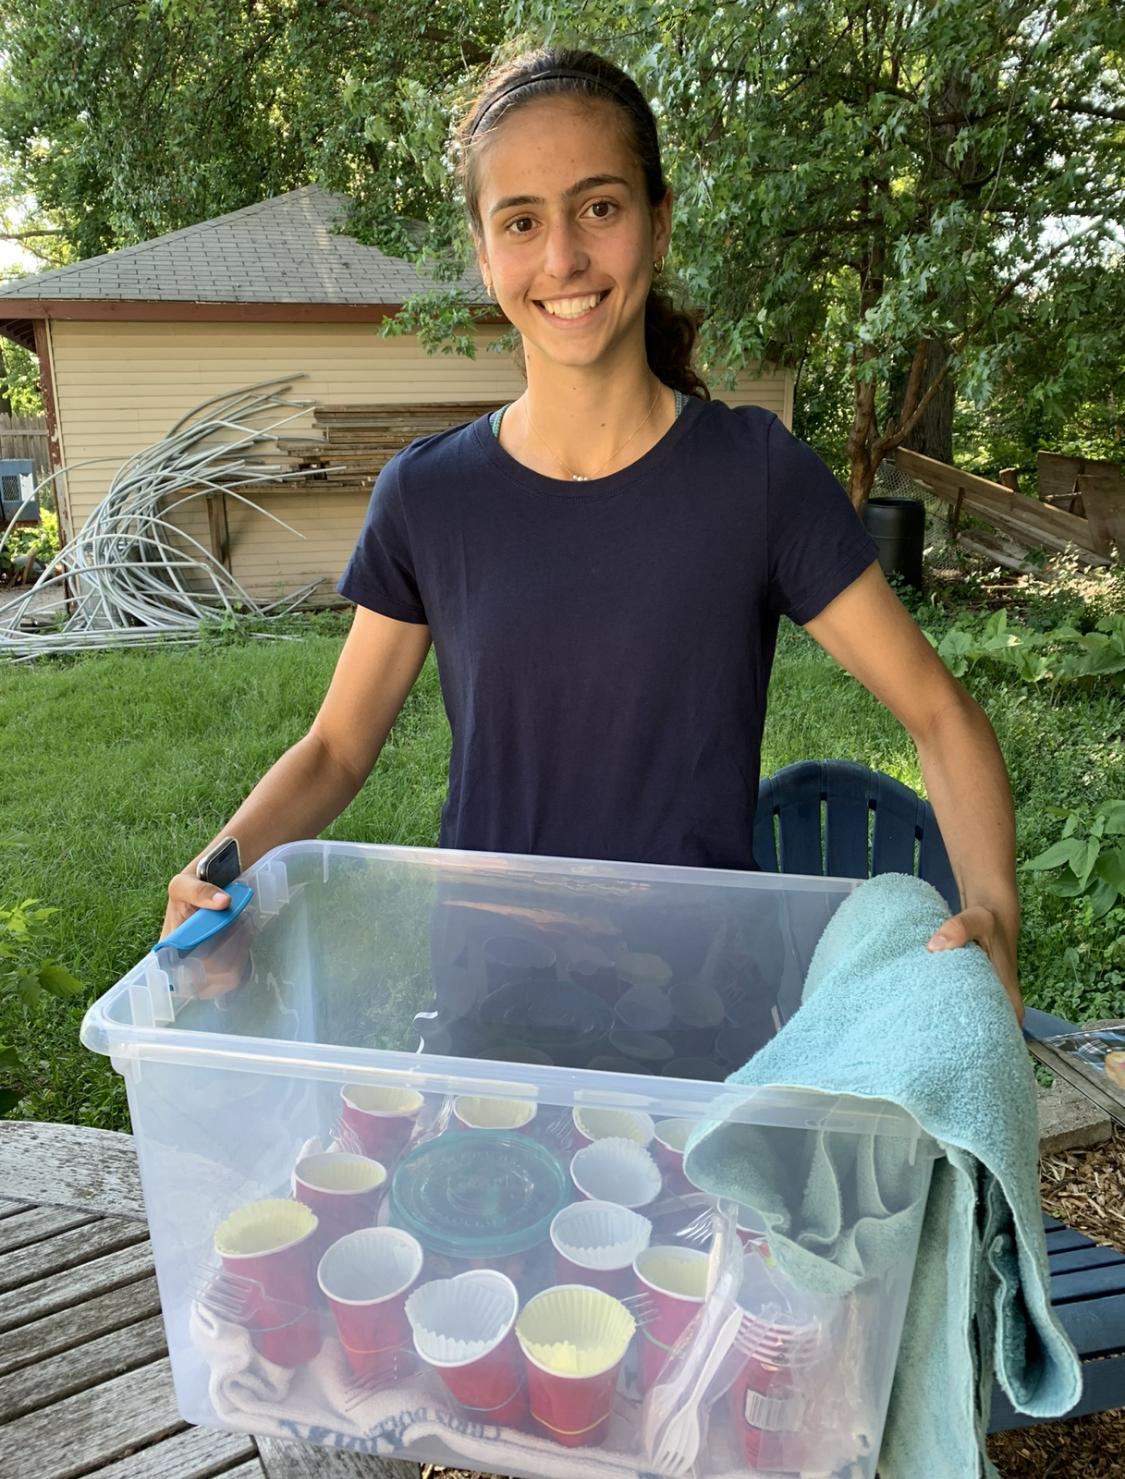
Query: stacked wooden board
{"type": "Point", "coordinates": [344, 454]}
{"type": "Point", "coordinates": [356, 441]}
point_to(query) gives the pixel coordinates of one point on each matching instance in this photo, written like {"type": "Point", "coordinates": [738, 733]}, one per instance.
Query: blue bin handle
{"type": "Point", "coordinates": [204, 923]}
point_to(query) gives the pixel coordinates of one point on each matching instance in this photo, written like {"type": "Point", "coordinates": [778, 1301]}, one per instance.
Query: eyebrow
{"type": "Point", "coordinates": [591, 182]}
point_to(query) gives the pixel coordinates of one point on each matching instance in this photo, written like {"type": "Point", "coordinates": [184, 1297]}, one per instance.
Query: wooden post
{"type": "Point", "coordinates": [219, 529]}
{"type": "Point", "coordinates": [955, 515]}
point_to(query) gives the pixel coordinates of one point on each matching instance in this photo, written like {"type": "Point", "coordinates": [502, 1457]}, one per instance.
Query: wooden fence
{"type": "Point", "coordinates": [26, 437]}
{"type": "Point", "coordinates": [1022, 522]}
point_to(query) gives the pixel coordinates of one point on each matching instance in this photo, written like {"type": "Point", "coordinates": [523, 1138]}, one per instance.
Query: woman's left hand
{"type": "Point", "coordinates": [982, 925]}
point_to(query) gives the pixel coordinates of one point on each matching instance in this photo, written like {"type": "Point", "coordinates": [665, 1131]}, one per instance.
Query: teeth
{"type": "Point", "coordinates": [572, 307]}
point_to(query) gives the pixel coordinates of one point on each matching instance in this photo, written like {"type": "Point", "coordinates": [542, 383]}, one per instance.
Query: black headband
{"type": "Point", "coordinates": [603, 82]}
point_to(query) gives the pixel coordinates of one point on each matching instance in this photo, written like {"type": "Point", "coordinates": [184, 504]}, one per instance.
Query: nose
{"type": "Point", "coordinates": [564, 256]}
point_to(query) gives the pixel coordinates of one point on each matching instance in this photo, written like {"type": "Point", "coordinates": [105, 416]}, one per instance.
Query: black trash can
{"type": "Point", "coordinates": [898, 527]}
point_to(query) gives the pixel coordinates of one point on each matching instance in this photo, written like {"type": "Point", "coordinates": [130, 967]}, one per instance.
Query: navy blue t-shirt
{"type": "Point", "coordinates": [604, 647]}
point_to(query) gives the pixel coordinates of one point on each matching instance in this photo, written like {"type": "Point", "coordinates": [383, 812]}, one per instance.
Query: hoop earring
{"type": "Point", "coordinates": [658, 266]}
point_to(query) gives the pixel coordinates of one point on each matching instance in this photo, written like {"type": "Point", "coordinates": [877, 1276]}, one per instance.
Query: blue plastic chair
{"type": "Point", "coordinates": [837, 819]}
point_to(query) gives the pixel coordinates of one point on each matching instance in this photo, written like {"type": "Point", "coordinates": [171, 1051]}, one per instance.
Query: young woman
{"type": "Point", "coordinates": [602, 564]}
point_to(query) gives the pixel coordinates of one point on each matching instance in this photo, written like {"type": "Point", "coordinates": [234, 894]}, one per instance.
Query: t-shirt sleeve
{"type": "Point", "coordinates": [817, 544]}
{"type": "Point", "coordinates": [381, 573]}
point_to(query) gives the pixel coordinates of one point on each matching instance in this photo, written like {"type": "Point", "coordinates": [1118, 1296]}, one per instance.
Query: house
{"type": "Point", "coordinates": [129, 342]}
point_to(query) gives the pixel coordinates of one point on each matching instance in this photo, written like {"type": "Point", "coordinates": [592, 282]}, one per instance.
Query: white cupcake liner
{"type": "Point", "coordinates": [617, 1124]}
{"type": "Point", "coordinates": [461, 1319]}
{"type": "Point", "coordinates": [616, 1170]}
{"type": "Point", "coordinates": [600, 1235]}
{"type": "Point", "coordinates": [372, 1264]}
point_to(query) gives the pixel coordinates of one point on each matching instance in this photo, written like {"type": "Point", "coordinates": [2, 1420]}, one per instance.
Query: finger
{"type": "Point", "coordinates": [976, 923]}
{"type": "Point", "coordinates": [196, 894]}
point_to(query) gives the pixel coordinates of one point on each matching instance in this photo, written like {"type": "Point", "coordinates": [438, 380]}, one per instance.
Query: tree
{"type": "Point", "coordinates": [894, 185]}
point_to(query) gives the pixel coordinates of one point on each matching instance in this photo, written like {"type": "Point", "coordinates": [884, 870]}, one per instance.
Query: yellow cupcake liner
{"type": "Point", "coordinates": [672, 1270]}
{"type": "Point", "coordinates": [264, 1227]}
{"type": "Point", "coordinates": [493, 1114]}
{"type": "Point", "coordinates": [620, 1124]}
{"type": "Point", "coordinates": [673, 1134]}
{"type": "Point", "coordinates": [332, 1170]}
{"type": "Point", "coordinates": [375, 1099]}
{"type": "Point", "coordinates": [575, 1330]}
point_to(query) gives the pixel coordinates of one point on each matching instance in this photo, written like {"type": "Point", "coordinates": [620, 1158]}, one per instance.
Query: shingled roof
{"type": "Point", "coordinates": [282, 250]}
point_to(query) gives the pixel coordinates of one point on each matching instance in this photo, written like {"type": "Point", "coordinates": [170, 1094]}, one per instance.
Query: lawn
{"type": "Point", "coordinates": [119, 766]}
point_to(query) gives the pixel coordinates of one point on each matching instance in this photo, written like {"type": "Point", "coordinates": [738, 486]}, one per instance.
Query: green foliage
{"type": "Point", "coordinates": [1062, 655]}
{"type": "Point", "coordinates": [37, 542]}
{"type": "Point", "coordinates": [20, 380]}
{"type": "Point", "coordinates": [851, 180]}
{"type": "Point", "coordinates": [28, 976]}
{"type": "Point", "coordinates": [1089, 856]}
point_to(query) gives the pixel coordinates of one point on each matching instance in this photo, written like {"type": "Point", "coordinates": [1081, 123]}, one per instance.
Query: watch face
{"type": "Point", "coordinates": [221, 866]}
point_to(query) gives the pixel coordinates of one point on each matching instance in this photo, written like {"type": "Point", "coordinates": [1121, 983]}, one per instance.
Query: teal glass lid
{"type": "Point", "coordinates": [478, 1193]}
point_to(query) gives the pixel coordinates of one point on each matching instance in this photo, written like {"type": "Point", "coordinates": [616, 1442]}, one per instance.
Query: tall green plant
{"type": "Point", "coordinates": [31, 975]}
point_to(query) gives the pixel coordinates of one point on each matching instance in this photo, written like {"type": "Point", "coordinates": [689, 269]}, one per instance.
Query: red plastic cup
{"type": "Point", "coordinates": [366, 1278]}
{"type": "Point", "coordinates": [381, 1119]}
{"type": "Point", "coordinates": [672, 1283]}
{"type": "Point", "coordinates": [752, 1231]}
{"type": "Point", "coordinates": [772, 1414]}
{"type": "Point", "coordinates": [343, 1190]}
{"type": "Point", "coordinates": [574, 1407]}
{"type": "Point", "coordinates": [493, 1386]}
{"type": "Point", "coordinates": [267, 1250]}
{"type": "Point", "coordinates": [463, 1328]}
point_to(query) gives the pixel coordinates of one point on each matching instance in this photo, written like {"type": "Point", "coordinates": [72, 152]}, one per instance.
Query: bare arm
{"type": "Point", "coordinates": [312, 783]}
{"type": "Point", "coordinates": [870, 633]}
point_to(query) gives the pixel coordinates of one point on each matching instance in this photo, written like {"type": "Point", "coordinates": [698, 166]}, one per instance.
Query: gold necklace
{"type": "Point", "coordinates": [578, 477]}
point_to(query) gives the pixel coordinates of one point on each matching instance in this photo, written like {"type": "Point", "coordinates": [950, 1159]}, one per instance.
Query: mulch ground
{"type": "Point", "coordinates": [1086, 1189]}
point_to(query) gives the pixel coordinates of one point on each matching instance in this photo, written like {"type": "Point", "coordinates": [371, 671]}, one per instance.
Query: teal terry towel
{"type": "Point", "coordinates": [884, 1018]}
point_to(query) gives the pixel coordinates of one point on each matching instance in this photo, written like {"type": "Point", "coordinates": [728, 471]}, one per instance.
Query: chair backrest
{"type": "Point", "coordinates": [841, 820]}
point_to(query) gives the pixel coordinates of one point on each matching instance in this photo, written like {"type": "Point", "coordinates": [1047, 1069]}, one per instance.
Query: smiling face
{"type": "Point", "coordinates": [569, 235]}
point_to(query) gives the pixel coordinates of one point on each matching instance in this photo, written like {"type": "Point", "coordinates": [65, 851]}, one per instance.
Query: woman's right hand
{"type": "Point", "coordinates": [186, 894]}
{"type": "Point", "coordinates": [223, 965]}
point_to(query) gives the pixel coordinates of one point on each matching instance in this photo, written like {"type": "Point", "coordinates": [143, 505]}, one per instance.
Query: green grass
{"type": "Point", "coordinates": [119, 766]}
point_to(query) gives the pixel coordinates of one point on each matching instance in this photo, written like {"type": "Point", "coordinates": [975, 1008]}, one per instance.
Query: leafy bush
{"type": "Point", "coordinates": [1088, 858]}
{"type": "Point", "coordinates": [1061, 655]}
{"type": "Point", "coordinates": [29, 976]}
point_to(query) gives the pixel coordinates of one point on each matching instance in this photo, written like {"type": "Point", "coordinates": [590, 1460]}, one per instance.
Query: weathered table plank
{"type": "Point", "coordinates": [35, 1223]}
{"type": "Point", "coordinates": [285, 1460]}
{"type": "Point", "coordinates": [53, 1256]}
{"type": "Point", "coordinates": [10, 1208]}
{"type": "Point", "coordinates": [84, 1365]}
{"type": "Point", "coordinates": [93, 1427]}
{"type": "Point", "coordinates": [45, 1296]}
{"type": "Point", "coordinates": [70, 1166]}
{"type": "Point", "coordinates": [83, 1321]}
{"type": "Point", "coordinates": [196, 1453]}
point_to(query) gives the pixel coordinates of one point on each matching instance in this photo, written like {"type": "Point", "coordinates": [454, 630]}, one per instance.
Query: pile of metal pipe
{"type": "Point", "coordinates": [131, 576]}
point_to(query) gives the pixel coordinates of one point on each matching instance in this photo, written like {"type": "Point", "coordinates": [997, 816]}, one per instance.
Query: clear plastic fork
{"type": "Point", "coordinates": [683, 1429]}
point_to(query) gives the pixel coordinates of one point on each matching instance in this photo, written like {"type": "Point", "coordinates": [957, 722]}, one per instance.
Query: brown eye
{"type": "Point", "coordinates": [611, 203]}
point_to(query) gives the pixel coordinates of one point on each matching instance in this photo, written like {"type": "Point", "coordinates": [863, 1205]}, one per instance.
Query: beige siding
{"type": "Point", "coordinates": [121, 386]}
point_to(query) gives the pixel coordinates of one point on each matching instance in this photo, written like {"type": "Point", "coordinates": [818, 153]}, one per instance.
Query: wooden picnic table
{"type": "Point", "coordinates": [85, 1379]}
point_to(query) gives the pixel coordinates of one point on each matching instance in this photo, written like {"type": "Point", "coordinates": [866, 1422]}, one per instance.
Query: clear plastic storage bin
{"type": "Point", "coordinates": [410, 1126]}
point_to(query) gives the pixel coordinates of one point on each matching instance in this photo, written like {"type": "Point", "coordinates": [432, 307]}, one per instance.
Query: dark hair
{"type": "Point", "coordinates": [670, 332]}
